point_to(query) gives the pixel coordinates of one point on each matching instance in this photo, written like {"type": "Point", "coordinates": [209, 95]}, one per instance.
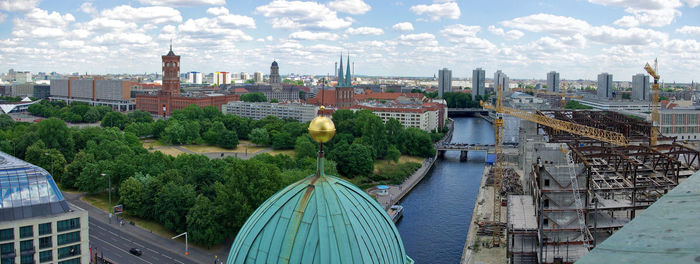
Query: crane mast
{"type": "Point", "coordinates": [654, 103]}
{"type": "Point", "coordinates": [498, 167]}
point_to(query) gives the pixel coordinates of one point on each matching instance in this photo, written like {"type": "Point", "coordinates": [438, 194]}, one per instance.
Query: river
{"type": "Point", "coordinates": [438, 210]}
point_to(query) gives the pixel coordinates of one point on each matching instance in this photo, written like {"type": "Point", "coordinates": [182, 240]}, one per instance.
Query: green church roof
{"type": "Point", "coordinates": [320, 219]}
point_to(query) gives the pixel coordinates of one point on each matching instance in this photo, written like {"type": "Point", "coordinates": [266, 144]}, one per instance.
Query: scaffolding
{"type": "Point", "coordinates": [613, 182]}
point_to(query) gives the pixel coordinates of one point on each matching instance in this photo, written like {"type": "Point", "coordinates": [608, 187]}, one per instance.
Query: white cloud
{"type": "Point", "coordinates": [302, 15]}
{"type": "Point", "coordinates": [437, 11]}
{"type": "Point", "coordinates": [217, 11]}
{"type": "Point", "coordinates": [123, 38]}
{"type": "Point", "coordinates": [106, 24]}
{"type": "Point", "coordinates": [209, 28]}
{"type": "Point", "coordinates": [420, 39]}
{"type": "Point", "coordinates": [71, 44]}
{"type": "Point", "coordinates": [88, 8]}
{"type": "Point", "coordinates": [151, 14]}
{"type": "Point", "coordinates": [403, 27]}
{"type": "Point", "coordinates": [514, 34]}
{"type": "Point", "coordinates": [631, 36]}
{"type": "Point", "coordinates": [365, 31]}
{"type": "Point", "coordinates": [692, 3]}
{"type": "Point", "coordinates": [18, 5]}
{"type": "Point", "coordinates": [223, 16]}
{"type": "Point", "coordinates": [354, 7]}
{"type": "Point", "coordinates": [182, 2]}
{"type": "Point", "coordinates": [510, 35]}
{"type": "Point", "coordinates": [558, 25]}
{"type": "Point", "coordinates": [689, 30]}
{"type": "Point", "coordinates": [40, 23]}
{"type": "Point", "coordinates": [627, 21]}
{"type": "Point", "coordinates": [308, 35]}
{"type": "Point", "coordinates": [655, 13]}
{"type": "Point", "coordinates": [460, 31]}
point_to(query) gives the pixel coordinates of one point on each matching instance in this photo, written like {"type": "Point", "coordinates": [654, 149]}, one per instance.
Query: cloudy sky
{"type": "Point", "coordinates": [526, 39]}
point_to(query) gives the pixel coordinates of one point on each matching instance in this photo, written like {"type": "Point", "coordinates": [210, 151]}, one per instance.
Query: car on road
{"type": "Point", "coordinates": [136, 251]}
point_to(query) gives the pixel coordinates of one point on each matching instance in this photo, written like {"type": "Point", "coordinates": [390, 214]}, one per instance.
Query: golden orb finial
{"type": "Point", "coordinates": [322, 128]}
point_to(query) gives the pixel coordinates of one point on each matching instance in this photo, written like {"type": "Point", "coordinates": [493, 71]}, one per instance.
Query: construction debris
{"type": "Point", "coordinates": [511, 182]}
{"type": "Point", "coordinates": [486, 228]}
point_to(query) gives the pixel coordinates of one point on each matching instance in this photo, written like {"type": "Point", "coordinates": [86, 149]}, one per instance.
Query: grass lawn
{"type": "Point", "coordinates": [288, 152]}
{"type": "Point", "coordinates": [241, 148]}
{"type": "Point", "coordinates": [383, 164]}
{"type": "Point", "coordinates": [169, 151]}
{"type": "Point", "coordinates": [147, 143]}
{"type": "Point", "coordinates": [101, 201]}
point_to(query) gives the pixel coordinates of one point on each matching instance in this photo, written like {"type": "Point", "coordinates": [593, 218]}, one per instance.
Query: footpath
{"type": "Point", "coordinates": [196, 254]}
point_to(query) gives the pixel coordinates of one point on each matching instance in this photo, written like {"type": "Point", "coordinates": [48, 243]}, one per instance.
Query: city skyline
{"type": "Point", "coordinates": [526, 40]}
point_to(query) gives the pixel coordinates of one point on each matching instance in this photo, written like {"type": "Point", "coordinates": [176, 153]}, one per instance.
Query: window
{"type": "Point", "coordinates": [26, 245]}
{"type": "Point", "coordinates": [546, 182]}
{"type": "Point", "coordinates": [7, 234]}
{"type": "Point", "coordinates": [66, 252]}
{"type": "Point", "coordinates": [545, 222]}
{"type": "Point", "coordinates": [68, 238]}
{"type": "Point", "coordinates": [26, 231]}
{"type": "Point", "coordinates": [8, 261]}
{"type": "Point", "coordinates": [45, 229]}
{"type": "Point", "coordinates": [45, 256]}
{"type": "Point", "coordinates": [45, 242]}
{"type": "Point", "coordinates": [27, 259]}
{"type": "Point", "coordinates": [7, 248]}
{"type": "Point", "coordinates": [68, 224]}
{"type": "Point", "coordinates": [546, 203]}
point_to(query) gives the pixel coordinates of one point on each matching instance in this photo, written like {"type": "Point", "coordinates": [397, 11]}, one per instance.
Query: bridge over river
{"type": "Point", "coordinates": [464, 148]}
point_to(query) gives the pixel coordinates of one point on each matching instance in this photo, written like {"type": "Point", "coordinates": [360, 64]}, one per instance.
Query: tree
{"type": "Point", "coordinates": [174, 133]}
{"type": "Point", "coordinates": [75, 168]}
{"type": "Point", "coordinates": [282, 140]}
{"type": "Point", "coordinates": [352, 160]}
{"type": "Point", "coordinates": [202, 223]}
{"type": "Point", "coordinates": [114, 119]}
{"type": "Point", "coordinates": [172, 203]}
{"type": "Point", "coordinates": [254, 97]}
{"type": "Point", "coordinates": [6, 121]}
{"type": "Point", "coordinates": [140, 117]}
{"type": "Point", "coordinates": [91, 179]}
{"type": "Point", "coordinates": [393, 153]}
{"type": "Point", "coordinates": [304, 147]}
{"type": "Point", "coordinates": [131, 195]}
{"type": "Point", "coordinates": [56, 135]}
{"type": "Point", "coordinates": [216, 131]}
{"type": "Point", "coordinates": [417, 142]}
{"type": "Point", "coordinates": [274, 101]}
{"type": "Point", "coordinates": [259, 136]}
{"type": "Point", "coordinates": [228, 139]}
{"type": "Point", "coordinates": [91, 116]}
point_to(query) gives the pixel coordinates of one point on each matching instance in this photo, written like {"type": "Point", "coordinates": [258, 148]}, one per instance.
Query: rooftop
{"type": "Point", "coordinates": [27, 191]}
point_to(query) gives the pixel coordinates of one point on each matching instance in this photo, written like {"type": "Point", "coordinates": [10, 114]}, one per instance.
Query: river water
{"type": "Point", "coordinates": [438, 211]}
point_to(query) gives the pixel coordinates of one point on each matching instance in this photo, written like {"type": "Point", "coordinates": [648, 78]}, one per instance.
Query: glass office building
{"type": "Point", "coordinates": [37, 225]}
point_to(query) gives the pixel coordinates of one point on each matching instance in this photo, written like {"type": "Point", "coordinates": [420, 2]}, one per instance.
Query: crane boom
{"type": "Point", "coordinates": [611, 137]}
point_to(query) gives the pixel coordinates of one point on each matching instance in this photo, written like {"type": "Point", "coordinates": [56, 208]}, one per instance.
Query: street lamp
{"type": "Point", "coordinates": [109, 189]}
{"type": "Point", "coordinates": [187, 251]}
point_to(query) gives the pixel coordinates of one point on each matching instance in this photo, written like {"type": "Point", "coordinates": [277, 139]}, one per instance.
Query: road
{"type": "Point", "coordinates": [114, 241]}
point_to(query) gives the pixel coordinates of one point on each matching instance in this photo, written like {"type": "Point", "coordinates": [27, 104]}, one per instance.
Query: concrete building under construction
{"type": "Point", "coordinates": [579, 191]}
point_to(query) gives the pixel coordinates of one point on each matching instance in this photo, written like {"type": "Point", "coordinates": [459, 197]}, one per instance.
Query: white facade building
{"type": "Point", "coordinates": [194, 77]}
{"type": "Point", "coordinates": [259, 110]}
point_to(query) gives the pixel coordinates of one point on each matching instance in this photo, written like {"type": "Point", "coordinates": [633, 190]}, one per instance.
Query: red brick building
{"type": "Point", "coordinates": [169, 99]}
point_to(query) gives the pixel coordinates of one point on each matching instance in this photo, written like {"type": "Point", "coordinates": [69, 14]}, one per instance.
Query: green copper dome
{"type": "Point", "coordinates": [320, 219]}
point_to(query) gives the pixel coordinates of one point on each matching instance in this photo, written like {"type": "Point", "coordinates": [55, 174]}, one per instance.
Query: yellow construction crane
{"type": "Point", "coordinates": [563, 96]}
{"type": "Point", "coordinates": [498, 168]}
{"type": "Point", "coordinates": [581, 130]}
{"type": "Point", "coordinates": [654, 103]}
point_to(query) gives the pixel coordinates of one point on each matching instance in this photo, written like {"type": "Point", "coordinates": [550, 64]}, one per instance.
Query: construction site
{"type": "Point", "coordinates": [585, 174]}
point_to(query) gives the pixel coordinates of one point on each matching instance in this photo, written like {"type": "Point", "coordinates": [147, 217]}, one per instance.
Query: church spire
{"type": "Point", "coordinates": [341, 81]}
{"type": "Point", "coordinates": [348, 77]}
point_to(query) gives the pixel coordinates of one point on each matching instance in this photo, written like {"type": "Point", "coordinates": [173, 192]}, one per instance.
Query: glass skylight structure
{"type": "Point", "coordinates": [27, 190]}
